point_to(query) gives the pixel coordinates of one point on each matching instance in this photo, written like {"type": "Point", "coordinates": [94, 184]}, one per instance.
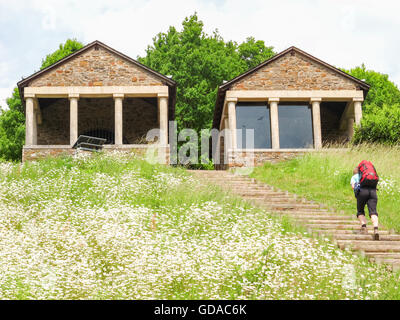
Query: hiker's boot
{"type": "Point", "coordinates": [376, 234]}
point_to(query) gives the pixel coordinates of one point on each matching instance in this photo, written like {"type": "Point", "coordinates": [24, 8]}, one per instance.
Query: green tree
{"type": "Point", "coordinates": [12, 129]}
{"type": "Point", "coordinates": [382, 91]}
{"type": "Point", "coordinates": [381, 108]}
{"type": "Point", "coordinates": [12, 120]}
{"type": "Point", "coordinates": [199, 63]}
{"type": "Point", "coordinates": [69, 47]}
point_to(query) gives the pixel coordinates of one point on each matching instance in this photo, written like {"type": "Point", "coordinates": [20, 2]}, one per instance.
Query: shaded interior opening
{"type": "Point", "coordinates": [331, 113]}
{"type": "Point", "coordinates": [139, 116]}
{"type": "Point", "coordinates": [96, 118]}
{"type": "Point", "coordinates": [54, 126]}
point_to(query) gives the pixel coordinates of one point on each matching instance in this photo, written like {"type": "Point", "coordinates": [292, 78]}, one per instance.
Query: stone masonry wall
{"type": "Point", "coordinates": [294, 71]}
{"type": "Point", "coordinates": [95, 113]}
{"type": "Point", "coordinates": [139, 116]}
{"type": "Point", "coordinates": [54, 129]}
{"type": "Point", "coordinates": [331, 113]}
{"type": "Point", "coordinates": [32, 153]}
{"type": "Point", "coordinates": [97, 68]}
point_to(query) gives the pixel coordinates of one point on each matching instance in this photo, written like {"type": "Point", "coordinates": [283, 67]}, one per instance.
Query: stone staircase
{"type": "Point", "coordinates": [316, 218]}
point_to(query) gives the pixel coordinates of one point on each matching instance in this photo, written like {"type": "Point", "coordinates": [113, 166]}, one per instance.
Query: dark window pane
{"type": "Point", "coordinates": [295, 126]}
{"type": "Point", "coordinates": [253, 116]}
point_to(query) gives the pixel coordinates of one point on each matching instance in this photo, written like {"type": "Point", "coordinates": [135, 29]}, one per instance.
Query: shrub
{"type": "Point", "coordinates": [381, 125]}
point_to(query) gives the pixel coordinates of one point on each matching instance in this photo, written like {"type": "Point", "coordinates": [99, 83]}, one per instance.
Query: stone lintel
{"type": "Point", "coordinates": [162, 95]}
{"type": "Point", "coordinates": [95, 92]}
{"type": "Point", "coordinates": [231, 99]}
{"type": "Point", "coordinates": [263, 95]}
{"type": "Point", "coordinates": [118, 95]}
{"type": "Point", "coordinates": [73, 96]}
{"type": "Point", "coordinates": [29, 95]}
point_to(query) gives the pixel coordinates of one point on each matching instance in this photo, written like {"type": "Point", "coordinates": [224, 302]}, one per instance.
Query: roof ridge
{"type": "Point", "coordinates": [282, 53]}
{"type": "Point", "coordinates": [36, 74]}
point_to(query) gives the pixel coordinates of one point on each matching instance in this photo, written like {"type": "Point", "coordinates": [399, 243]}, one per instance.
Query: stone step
{"type": "Point", "coordinates": [312, 211]}
{"type": "Point", "coordinates": [344, 231]}
{"type": "Point", "coordinates": [369, 245]}
{"type": "Point", "coordinates": [241, 188]}
{"type": "Point", "coordinates": [286, 206]}
{"type": "Point", "coordinates": [382, 237]}
{"type": "Point", "coordinates": [386, 260]}
{"type": "Point", "coordinates": [395, 267]}
{"type": "Point", "coordinates": [383, 255]}
{"type": "Point", "coordinates": [301, 211]}
{"type": "Point", "coordinates": [249, 191]}
{"type": "Point", "coordinates": [275, 200]}
{"type": "Point", "coordinates": [369, 242]}
{"type": "Point", "coordinates": [337, 227]}
{"type": "Point", "coordinates": [333, 222]}
{"type": "Point", "coordinates": [230, 180]}
{"type": "Point", "coordinates": [268, 197]}
{"type": "Point", "coordinates": [300, 201]}
{"type": "Point", "coordinates": [318, 216]}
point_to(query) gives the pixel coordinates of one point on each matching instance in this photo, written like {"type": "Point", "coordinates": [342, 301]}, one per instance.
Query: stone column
{"type": "Point", "coordinates": [163, 111]}
{"type": "Point", "coordinates": [316, 115]}
{"type": "Point", "coordinates": [118, 126]}
{"type": "Point", "coordinates": [226, 123]}
{"type": "Point", "coordinates": [35, 121]}
{"type": "Point", "coordinates": [29, 122]}
{"type": "Point", "coordinates": [232, 121]}
{"type": "Point", "coordinates": [73, 118]}
{"type": "Point", "coordinates": [273, 105]}
{"type": "Point", "coordinates": [350, 127]}
{"type": "Point", "coordinates": [357, 110]}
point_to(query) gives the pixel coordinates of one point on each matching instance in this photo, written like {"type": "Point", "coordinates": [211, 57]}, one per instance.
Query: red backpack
{"type": "Point", "coordinates": [369, 177]}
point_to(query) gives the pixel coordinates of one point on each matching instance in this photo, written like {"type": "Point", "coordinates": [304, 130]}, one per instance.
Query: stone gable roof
{"type": "Point", "coordinates": [291, 69]}
{"type": "Point", "coordinates": [84, 66]}
{"type": "Point", "coordinates": [97, 64]}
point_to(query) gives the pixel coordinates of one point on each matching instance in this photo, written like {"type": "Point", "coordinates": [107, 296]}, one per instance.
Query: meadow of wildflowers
{"type": "Point", "coordinates": [116, 227]}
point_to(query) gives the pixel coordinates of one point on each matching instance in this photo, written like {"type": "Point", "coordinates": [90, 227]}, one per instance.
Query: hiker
{"type": "Point", "coordinates": [364, 183]}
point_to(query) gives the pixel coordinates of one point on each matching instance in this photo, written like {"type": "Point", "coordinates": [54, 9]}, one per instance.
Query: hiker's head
{"type": "Point", "coordinates": [355, 170]}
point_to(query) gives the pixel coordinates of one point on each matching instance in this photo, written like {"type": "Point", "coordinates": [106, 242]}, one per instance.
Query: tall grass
{"type": "Point", "coordinates": [325, 177]}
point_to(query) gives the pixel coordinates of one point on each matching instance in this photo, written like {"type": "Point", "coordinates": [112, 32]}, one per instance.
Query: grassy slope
{"type": "Point", "coordinates": [120, 228]}
{"type": "Point", "coordinates": [325, 177]}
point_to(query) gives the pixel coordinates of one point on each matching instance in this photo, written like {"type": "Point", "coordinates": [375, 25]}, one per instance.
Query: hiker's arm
{"type": "Point", "coordinates": [352, 183]}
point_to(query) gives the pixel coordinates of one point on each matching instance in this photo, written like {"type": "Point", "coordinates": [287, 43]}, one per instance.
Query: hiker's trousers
{"type": "Point", "coordinates": [367, 196]}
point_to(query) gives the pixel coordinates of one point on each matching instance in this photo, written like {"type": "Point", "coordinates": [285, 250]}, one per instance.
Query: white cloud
{"type": "Point", "coordinates": [4, 94]}
{"type": "Point", "coordinates": [49, 18]}
{"type": "Point", "coordinates": [340, 32]}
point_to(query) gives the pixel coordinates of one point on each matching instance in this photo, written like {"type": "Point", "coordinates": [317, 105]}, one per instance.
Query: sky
{"type": "Point", "coordinates": [343, 33]}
